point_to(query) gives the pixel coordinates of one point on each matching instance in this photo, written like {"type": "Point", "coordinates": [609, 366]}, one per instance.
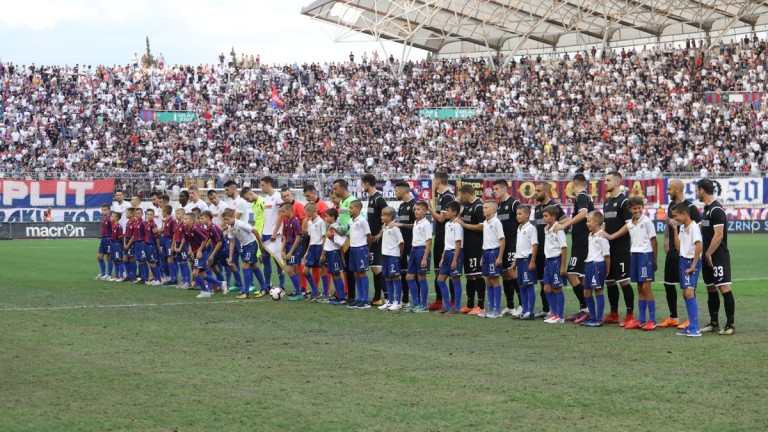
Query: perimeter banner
{"type": "Point", "coordinates": [72, 194]}
{"type": "Point", "coordinates": [562, 190]}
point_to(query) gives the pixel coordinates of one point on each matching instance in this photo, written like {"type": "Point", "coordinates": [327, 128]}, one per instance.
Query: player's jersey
{"type": "Point", "coordinates": [258, 214]}
{"type": "Point", "coordinates": [714, 216]}
{"type": "Point", "coordinates": [598, 247]}
{"type": "Point", "coordinates": [473, 214]}
{"type": "Point", "coordinates": [442, 200]}
{"type": "Point", "coordinates": [195, 236]}
{"type": "Point", "coordinates": [376, 204]}
{"type": "Point", "coordinates": [358, 231]}
{"type": "Point", "coordinates": [617, 214]}
{"type": "Point", "coordinates": [695, 216]}
{"type": "Point", "coordinates": [217, 236]}
{"type": "Point", "coordinates": [291, 230]}
{"type": "Point", "coordinates": [169, 227]}
{"type": "Point", "coordinates": [579, 231]}
{"type": "Point", "coordinates": [199, 204]}
{"type": "Point", "coordinates": [507, 214]}
{"type": "Point", "coordinates": [179, 233]}
{"type": "Point", "coordinates": [106, 227]}
{"type": "Point", "coordinates": [493, 231]}
{"type": "Point", "coordinates": [641, 233]}
{"type": "Point", "coordinates": [689, 235]}
{"type": "Point", "coordinates": [151, 235]}
{"type": "Point", "coordinates": [538, 216]}
{"type": "Point", "coordinates": [333, 240]}
{"type": "Point", "coordinates": [406, 215]}
{"type": "Point", "coordinates": [526, 238]}
{"type": "Point", "coordinates": [243, 232]}
{"type": "Point", "coordinates": [116, 233]}
{"type": "Point", "coordinates": [217, 210]}
{"type": "Point", "coordinates": [271, 208]}
{"type": "Point", "coordinates": [554, 242]}
{"type": "Point", "coordinates": [316, 230]}
{"type": "Point", "coordinates": [422, 231]}
{"type": "Point", "coordinates": [120, 208]}
{"type": "Point", "coordinates": [390, 242]}
{"type": "Point", "coordinates": [240, 205]}
{"type": "Point", "coordinates": [130, 230]}
{"type": "Point", "coordinates": [142, 231]}
{"type": "Point", "coordinates": [453, 233]}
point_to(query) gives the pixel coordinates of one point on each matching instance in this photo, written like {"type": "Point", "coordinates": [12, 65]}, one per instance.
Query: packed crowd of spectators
{"type": "Point", "coordinates": [641, 112]}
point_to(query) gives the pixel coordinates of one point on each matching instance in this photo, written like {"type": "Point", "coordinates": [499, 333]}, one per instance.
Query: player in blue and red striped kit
{"type": "Point", "coordinates": [166, 242]}
{"type": "Point", "coordinates": [141, 236]}
{"type": "Point", "coordinates": [116, 237]}
{"type": "Point", "coordinates": [215, 249]}
{"type": "Point", "coordinates": [152, 248]}
{"type": "Point", "coordinates": [129, 238]}
{"type": "Point", "coordinates": [105, 245]}
{"type": "Point", "coordinates": [196, 235]}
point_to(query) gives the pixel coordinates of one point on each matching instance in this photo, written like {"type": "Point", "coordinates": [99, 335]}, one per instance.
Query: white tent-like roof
{"type": "Point", "coordinates": [511, 26]}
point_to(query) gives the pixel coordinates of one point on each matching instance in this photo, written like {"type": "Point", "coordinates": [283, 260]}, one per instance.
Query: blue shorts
{"type": "Point", "coordinates": [333, 262]}
{"type": "Point", "coordinates": [688, 280]}
{"type": "Point", "coordinates": [414, 261]}
{"type": "Point", "coordinates": [152, 254]}
{"type": "Point", "coordinates": [220, 259]}
{"type": "Point", "coordinates": [359, 261]}
{"type": "Point", "coordinates": [200, 264]}
{"type": "Point", "coordinates": [445, 269]}
{"type": "Point", "coordinates": [552, 272]}
{"type": "Point", "coordinates": [525, 277]}
{"type": "Point", "coordinates": [295, 259]}
{"type": "Point", "coordinates": [165, 243]}
{"type": "Point", "coordinates": [390, 266]}
{"type": "Point", "coordinates": [116, 252]}
{"type": "Point", "coordinates": [182, 255]}
{"type": "Point", "coordinates": [130, 252]}
{"type": "Point", "coordinates": [141, 252]}
{"type": "Point", "coordinates": [641, 267]}
{"type": "Point", "coordinates": [313, 256]}
{"type": "Point", "coordinates": [105, 245]}
{"type": "Point", "coordinates": [248, 253]}
{"type": "Point", "coordinates": [490, 269]}
{"type": "Point", "coordinates": [594, 275]}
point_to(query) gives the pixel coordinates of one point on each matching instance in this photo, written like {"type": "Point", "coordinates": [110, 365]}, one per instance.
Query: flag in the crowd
{"type": "Point", "coordinates": [147, 115]}
{"type": "Point", "coordinates": [277, 101]}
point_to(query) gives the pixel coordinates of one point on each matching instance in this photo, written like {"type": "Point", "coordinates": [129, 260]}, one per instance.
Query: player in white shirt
{"type": "Point", "coordinates": [120, 206]}
{"type": "Point", "coordinates": [419, 260]}
{"type": "Point", "coordinates": [217, 208]}
{"type": "Point", "coordinates": [194, 199]}
{"type": "Point", "coordinates": [392, 247]}
{"type": "Point", "coordinates": [596, 265]}
{"type": "Point", "coordinates": [690, 244]}
{"type": "Point", "coordinates": [241, 207]}
{"type": "Point", "coordinates": [315, 227]}
{"type": "Point", "coordinates": [526, 250]}
{"type": "Point", "coordinates": [270, 231]}
{"type": "Point", "coordinates": [248, 238]}
{"type": "Point", "coordinates": [493, 242]}
{"type": "Point", "coordinates": [359, 261]}
{"type": "Point", "coordinates": [332, 256]}
{"type": "Point", "coordinates": [643, 264]}
{"type": "Point", "coordinates": [556, 257]}
{"type": "Point", "coordinates": [452, 258]}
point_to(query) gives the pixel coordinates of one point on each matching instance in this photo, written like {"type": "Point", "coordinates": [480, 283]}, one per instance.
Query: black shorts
{"type": "Point", "coordinates": [576, 262]}
{"type": "Point", "coordinates": [720, 272]}
{"type": "Point", "coordinates": [437, 254]}
{"type": "Point", "coordinates": [404, 259]}
{"type": "Point", "coordinates": [508, 258]}
{"type": "Point", "coordinates": [375, 251]}
{"type": "Point", "coordinates": [541, 261]}
{"type": "Point", "coordinates": [672, 268]}
{"type": "Point", "coordinates": [472, 260]}
{"type": "Point", "coordinates": [620, 262]}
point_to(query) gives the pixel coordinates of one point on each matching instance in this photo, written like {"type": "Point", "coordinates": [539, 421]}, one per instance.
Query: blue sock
{"type": "Point", "coordinates": [456, 294]}
{"type": "Point", "coordinates": [641, 304]}
{"type": "Point", "coordinates": [560, 297]}
{"type": "Point", "coordinates": [219, 276]}
{"type": "Point", "coordinates": [173, 272]}
{"type": "Point", "coordinates": [228, 274]}
{"type": "Point", "coordinates": [248, 275]}
{"type": "Point", "coordinates": [651, 304]}
{"type": "Point", "coordinates": [498, 290]}
{"type": "Point", "coordinates": [312, 284]}
{"type": "Point", "coordinates": [552, 302]}
{"type": "Point", "coordinates": [135, 265]}
{"type": "Point", "coordinates": [338, 283]}
{"type": "Point", "coordinates": [366, 289]}
{"type": "Point", "coordinates": [102, 267]}
{"type": "Point", "coordinates": [213, 280]}
{"type": "Point", "coordinates": [281, 278]}
{"type": "Point", "coordinates": [524, 298]}
{"type": "Point", "coordinates": [692, 309]}
{"type": "Point", "coordinates": [263, 285]}
{"type": "Point", "coordinates": [110, 267]}
{"type": "Point", "coordinates": [118, 269]}
{"type": "Point", "coordinates": [238, 279]}
{"type": "Point", "coordinates": [166, 267]}
{"type": "Point", "coordinates": [531, 298]}
{"type": "Point", "coordinates": [324, 278]}
{"type": "Point", "coordinates": [201, 283]}
{"type": "Point", "coordinates": [424, 291]}
{"type": "Point", "coordinates": [268, 271]}
{"type": "Point", "coordinates": [156, 272]}
{"type": "Point", "coordinates": [185, 276]}
{"type": "Point", "coordinates": [591, 307]}
{"type": "Point", "coordinates": [444, 293]}
{"type": "Point", "coordinates": [600, 306]}
{"type": "Point", "coordinates": [489, 296]}
{"type": "Point", "coordinates": [295, 281]}
{"type": "Point", "coordinates": [413, 288]}
{"type": "Point", "coordinates": [390, 291]}
{"type": "Point", "coordinates": [398, 284]}
{"type": "Point", "coordinates": [144, 269]}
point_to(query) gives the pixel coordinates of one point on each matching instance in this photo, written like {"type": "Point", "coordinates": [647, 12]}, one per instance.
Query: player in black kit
{"type": "Point", "coordinates": [507, 214]}
{"type": "Point", "coordinates": [376, 203]}
{"type": "Point", "coordinates": [617, 214]}
{"type": "Point", "coordinates": [443, 196]}
{"type": "Point", "coordinates": [471, 220]}
{"type": "Point", "coordinates": [406, 217]}
{"type": "Point", "coordinates": [544, 197]}
{"type": "Point", "coordinates": [675, 190]}
{"type": "Point", "coordinates": [717, 260]}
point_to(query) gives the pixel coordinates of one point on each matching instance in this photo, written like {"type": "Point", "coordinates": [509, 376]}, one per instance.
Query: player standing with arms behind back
{"type": "Point", "coordinates": [616, 215]}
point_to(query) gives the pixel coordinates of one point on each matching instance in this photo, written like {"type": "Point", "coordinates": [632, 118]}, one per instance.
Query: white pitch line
{"type": "Point", "coordinates": [115, 306]}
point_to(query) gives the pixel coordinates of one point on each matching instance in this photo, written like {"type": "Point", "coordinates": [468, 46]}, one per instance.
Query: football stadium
{"type": "Point", "coordinates": [489, 215]}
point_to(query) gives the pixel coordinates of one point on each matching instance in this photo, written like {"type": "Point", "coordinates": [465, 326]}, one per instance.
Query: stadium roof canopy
{"type": "Point", "coordinates": [524, 26]}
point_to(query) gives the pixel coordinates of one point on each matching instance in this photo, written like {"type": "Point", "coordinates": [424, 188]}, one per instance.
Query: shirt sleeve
{"type": "Point", "coordinates": [717, 217]}
{"type": "Point", "coordinates": [695, 215]}
{"type": "Point", "coordinates": [561, 239]}
{"type": "Point", "coordinates": [399, 236]}
{"type": "Point", "coordinates": [605, 246]}
{"type": "Point", "coordinates": [428, 230]}
{"type": "Point", "coordinates": [696, 233]}
{"type": "Point", "coordinates": [624, 210]}
{"type": "Point", "coordinates": [560, 212]}
{"type": "Point", "coordinates": [533, 236]}
{"type": "Point", "coordinates": [479, 214]}
{"type": "Point", "coordinates": [367, 227]}
{"type": "Point", "coordinates": [650, 229]}
{"type": "Point", "coordinates": [499, 230]}
{"type": "Point", "coordinates": [582, 203]}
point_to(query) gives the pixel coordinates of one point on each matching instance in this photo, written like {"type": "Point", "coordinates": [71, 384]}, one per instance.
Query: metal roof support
{"type": "Point", "coordinates": [738, 17]}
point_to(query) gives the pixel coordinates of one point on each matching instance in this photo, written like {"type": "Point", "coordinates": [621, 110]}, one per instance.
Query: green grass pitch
{"type": "Point", "coordinates": [81, 354]}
